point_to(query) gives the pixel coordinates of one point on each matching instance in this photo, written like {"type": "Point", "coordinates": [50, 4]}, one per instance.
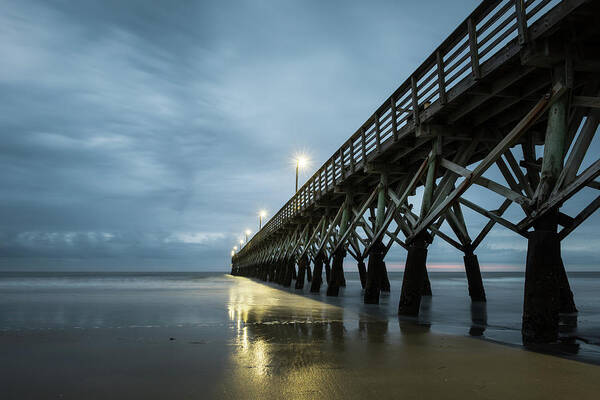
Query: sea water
{"type": "Point", "coordinates": [93, 300]}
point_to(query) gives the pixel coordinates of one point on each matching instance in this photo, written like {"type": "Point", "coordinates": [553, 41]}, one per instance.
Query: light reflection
{"type": "Point", "coordinates": [277, 333]}
{"type": "Point", "coordinates": [478, 318]}
{"type": "Point", "coordinates": [290, 346]}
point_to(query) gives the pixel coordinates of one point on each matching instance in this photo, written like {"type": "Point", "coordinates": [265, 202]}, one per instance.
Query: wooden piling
{"type": "Point", "coordinates": [476, 290]}
{"type": "Point", "coordinates": [384, 282]}
{"type": "Point", "coordinates": [541, 300]}
{"type": "Point", "coordinates": [318, 275]}
{"type": "Point", "coordinates": [544, 268]}
{"type": "Point", "coordinates": [426, 284]}
{"type": "Point", "coordinates": [362, 273]}
{"type": "Point", "coordinates": [377, 279]}
{"type": "Point", "coordinates": [302, 261]}
{"type": "Point", "coordinates": [374, 273]}
{"type": "Point", "coordinates": [414, 277]}
{"type": "Point", "coordinates": [337, 271]}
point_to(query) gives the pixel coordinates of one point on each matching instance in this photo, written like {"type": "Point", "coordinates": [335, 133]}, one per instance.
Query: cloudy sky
{"type": "Point", "coordinates": [147, 135]}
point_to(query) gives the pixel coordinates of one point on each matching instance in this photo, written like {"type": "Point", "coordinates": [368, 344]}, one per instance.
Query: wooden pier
{"type": "Point", "coordinates": [513, 75]}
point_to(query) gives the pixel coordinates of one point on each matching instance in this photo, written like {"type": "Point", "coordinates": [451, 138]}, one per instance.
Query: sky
{"type": "Point", "coordinates": [143, 135]}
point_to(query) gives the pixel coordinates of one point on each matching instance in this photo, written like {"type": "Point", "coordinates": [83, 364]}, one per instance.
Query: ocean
{"type": "Point", "coordinates": [71, 332]}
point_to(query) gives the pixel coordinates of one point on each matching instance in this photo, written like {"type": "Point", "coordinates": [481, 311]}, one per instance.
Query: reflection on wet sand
{"type": "Point", "coordinates": [274, 336]}
{"type": "Point", "coordinates": [478, 318]}
{"type": "Point", "coordinates": [281, 337]}
{"type": "Point", "coordinates": [290, 346]}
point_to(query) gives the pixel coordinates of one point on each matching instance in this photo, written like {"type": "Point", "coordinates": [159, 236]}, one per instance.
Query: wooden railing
{"type": "Point", "coordinates": [493, 25]}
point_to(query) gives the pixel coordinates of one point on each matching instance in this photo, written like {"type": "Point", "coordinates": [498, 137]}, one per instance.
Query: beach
{"type": "Point", "coordinates": [203, 336]}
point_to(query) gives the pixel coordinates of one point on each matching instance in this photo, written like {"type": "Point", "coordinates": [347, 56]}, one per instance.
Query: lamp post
{"type": "Point", "coordinates": [241, 243]}
{"type": "Point", "coordinates": [261, 215]}
{"type": "Point", "coordinates": [300, 162]}
{"type": "Point", "coordinates": [247, 232]}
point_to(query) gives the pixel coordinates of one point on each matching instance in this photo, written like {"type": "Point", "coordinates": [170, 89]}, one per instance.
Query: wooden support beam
{"type": "Point", "coordinates": [366, 227]}
{"type": "Point", "coordinates": [377, 134]}
{"type": "Point", "coordinates": [352, 253]}
{"type": "Point", "coordinates": [554, 144]}
{"type": "Point", "coordinates": [585, 101]}
{"type": "Point", "coordinates": [329, 229]}
{"type": "Point", "coordinates": [431, 175]}
{"type": "Point", "coordinates": [531, 117]}
{"type": "Point", "coordinates": [346, 214]}
{"type": "Point", "coordinates": [299, 240]}
{"type": "Point", "coordinates": [354, 245]}
{"type": "Point", "coordinates": [473, 50]}
{"type": "Point", "coordinates": [385, 168]}
{"type": "Point", "coordinates": [435, 130]}
{"type": "Point", "coordinates": [394, 238]}
{"type": "Point", "coordinates": [460, 231]}
{"type": "Point", "coordinates": [488, 227]}
{"type": "Point", "coordinates": [530, 162]}
{"type": "Point", "coordinates": [580, 218]}
{"type": "Point", "coordinates": [447, 238]}
{"type": "Point", "coordinates": [494, 89]}
{"type": "Point", "coordinates": [314, 235]}
{"type": "Point", "coordinates": [364, 242]}
{"type": "Point", "coordinates": [441, 77]}
{"type": "Point", "coordinates": [487, 183]}
{"type": "Point", "coordinates": [394, 118]}
{"type": "Point", "coordinates": [573, 163]}
{"type": "Point", "coordinates": [358, 215]}
{"type": "Point", "coordinates": [593, 185]}
{"type": "Point", "coordinates": [381, 201]}
{"type": "Point", "coordinates": [508, 177]}
{"type": "Point", "coordinates": [523, 182]}
{"type": "Point", "coordinates": [397, 201]}
{"type": "Point", "coordinates": [449, 179]}
{"type": "Point", "coordinates": [415, 100]}
{"type": "Point", "coordinates": [563, 195]}
{"type": "Point", "coordinates": [521, 13]}
{"type": "Point", "coordinates": [363, 146]}
{"type": "Point", "coordinates": [493, 216]}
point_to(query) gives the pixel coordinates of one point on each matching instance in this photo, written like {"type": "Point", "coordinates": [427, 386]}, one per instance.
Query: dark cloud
{"type": "Point", "coordinates": [142, 134]}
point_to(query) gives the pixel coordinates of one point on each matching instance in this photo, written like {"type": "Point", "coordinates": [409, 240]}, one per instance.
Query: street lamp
{"type": "Point", "coordinates": [247, 232]}
{"type": "Point", "coordinates": [261, 215]}
{"type": "Point", "coordinates": [241, 243]}
{"type": "Point", "coordinates": [301, 162]}
{"type": "Point", "coordinates": [234, 248]}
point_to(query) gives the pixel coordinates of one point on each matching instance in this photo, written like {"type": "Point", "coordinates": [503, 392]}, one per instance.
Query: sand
{"type": "Point", "coordinates": [272, 344]}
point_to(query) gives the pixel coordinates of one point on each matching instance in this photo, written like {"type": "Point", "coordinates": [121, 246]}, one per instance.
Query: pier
{"type": "Point", "coordinates": [515, 77]}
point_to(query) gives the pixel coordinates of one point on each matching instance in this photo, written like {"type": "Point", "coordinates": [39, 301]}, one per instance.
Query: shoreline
{"type": "Point", "coordinates": [245, 339]}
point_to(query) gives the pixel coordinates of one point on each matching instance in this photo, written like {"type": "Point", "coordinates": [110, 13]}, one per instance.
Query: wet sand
{"type": "Point", "coordinates": [253, 341]}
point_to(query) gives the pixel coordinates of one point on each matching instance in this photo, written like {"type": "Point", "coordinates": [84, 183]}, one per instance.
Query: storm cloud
{"type": "Point", "coordinates": [147, 135]}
